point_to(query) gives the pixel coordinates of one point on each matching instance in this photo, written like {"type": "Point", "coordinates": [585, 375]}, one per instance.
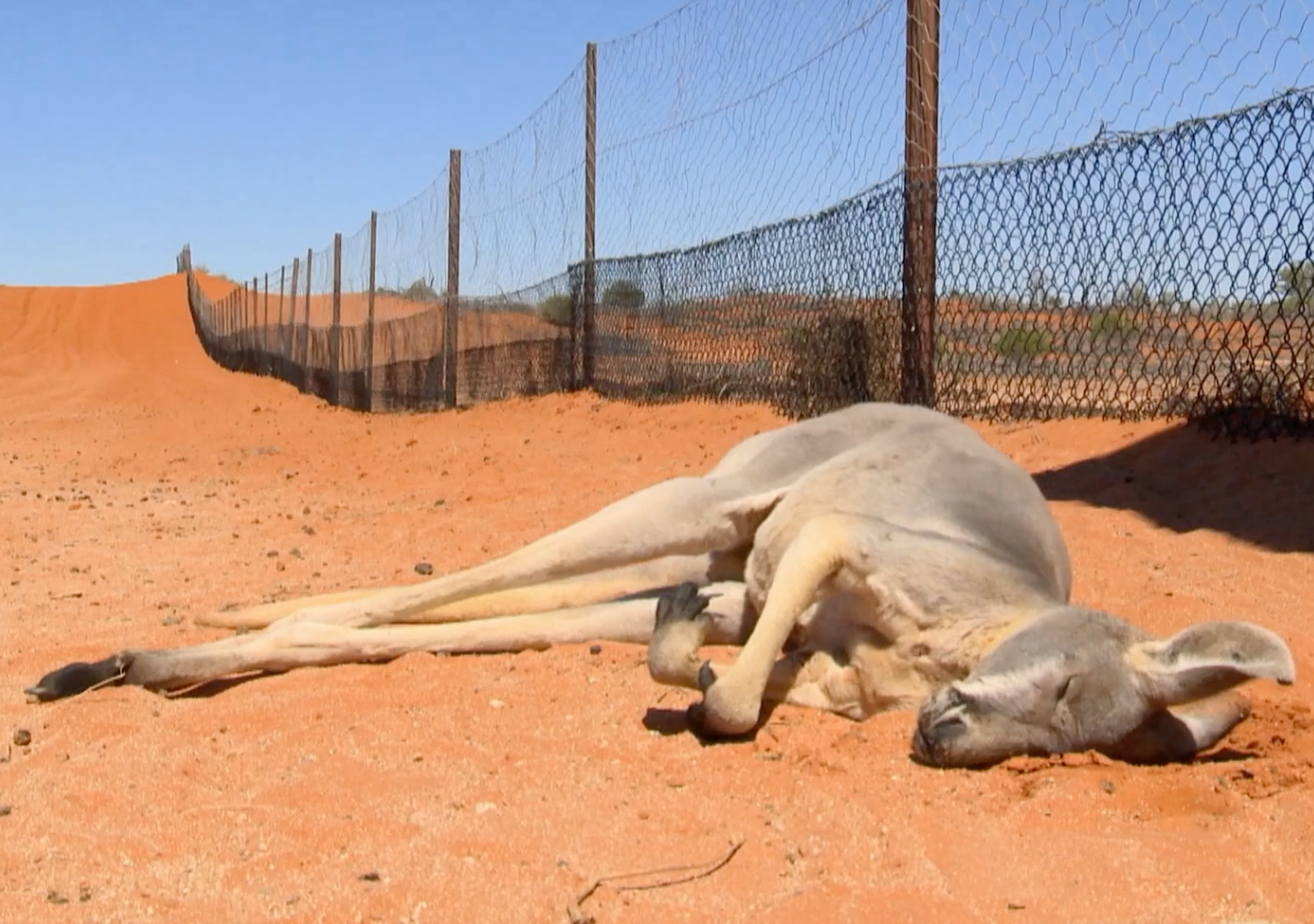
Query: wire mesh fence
{"type": "Point", "coordinates": [1056, 267]}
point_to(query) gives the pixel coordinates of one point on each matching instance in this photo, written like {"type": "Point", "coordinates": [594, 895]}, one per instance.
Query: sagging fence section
{"type": "Point", "coordinates": [385, 351]}
{"type": "Point", "coordinates": [1167, 272]}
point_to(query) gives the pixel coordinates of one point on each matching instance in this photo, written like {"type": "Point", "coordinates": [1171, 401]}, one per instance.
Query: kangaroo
{"type": "Point", "coordinates": [877, 557]}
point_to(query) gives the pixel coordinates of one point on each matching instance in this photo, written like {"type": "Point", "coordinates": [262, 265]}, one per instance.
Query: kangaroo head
{"type": "Point", "coordinates": [1077, 679]}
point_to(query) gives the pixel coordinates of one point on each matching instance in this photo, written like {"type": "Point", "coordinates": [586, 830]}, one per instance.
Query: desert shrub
{"type": "Point", "coordinates": [624, 294]}
{"type": "Point", "coordinates": [557, 309]}
{"type": "Point", "coordinates": [840, 358]}
{"type": "Point", "coordinates": [421, 290]}
{"type": "Point", "coordinates": [1018, 340]}
{"type": "Point", "coordinates": [1296, 286]}
{"type": "Point", "coordinates": [1112, 321]}
{"type": "Point", "coordinates": [1260, 398]}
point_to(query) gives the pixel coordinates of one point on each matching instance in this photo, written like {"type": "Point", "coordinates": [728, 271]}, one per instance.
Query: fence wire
{"type": "Point", "coordinates": [1087, 262]}
{"type": "Point", "coordinates": [741, 113]}
{"type": "Point", "coordinates": [1037, 77]}
{"type": "Point", "coordinates": [522, 197]}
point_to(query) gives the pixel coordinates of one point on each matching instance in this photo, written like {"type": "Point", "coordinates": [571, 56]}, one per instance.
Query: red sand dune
{"type": "Point", "coordinates": [141, 485]}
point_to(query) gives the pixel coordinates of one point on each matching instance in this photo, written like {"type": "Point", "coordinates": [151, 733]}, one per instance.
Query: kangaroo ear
{"type": "Point", "coordinates": [1171, 735]}
{"type": "Point", "coordinates": [1209, 658]}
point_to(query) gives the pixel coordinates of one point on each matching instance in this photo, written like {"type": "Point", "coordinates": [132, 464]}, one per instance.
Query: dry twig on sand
{"type": "Point", "coordinates": [680, 874]}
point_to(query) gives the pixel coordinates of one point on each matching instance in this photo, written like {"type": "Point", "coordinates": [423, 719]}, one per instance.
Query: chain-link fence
{"type": "Point", "coordinates": [1160, 272]}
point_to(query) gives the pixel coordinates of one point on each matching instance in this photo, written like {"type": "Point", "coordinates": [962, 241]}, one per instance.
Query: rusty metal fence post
{"type": "Point", "coordinates": [451, 326]}
{"type": "Point", "coordinates": [243, 323]}
{"type": "Point", "coordinates": [282, 283]}
{"type": "Point", "coordinates": [290, 335]}
{"type": "Point", "coordinates": [369, 313]}
{"type": "Point", "coordinates": [239, 323]}
{"type": "Point", "coordinates": [264, 329]}
{"type": "Point", "coordinates": [305, 353]}
{"type": "Point", "coordinates": [256, 364]}
{"type": "Point", "coordinates": [335, 332]}
{"type": "Point", "coordinates": [589, 295]}
{"type": "Point", "coordinates": [922, 89]}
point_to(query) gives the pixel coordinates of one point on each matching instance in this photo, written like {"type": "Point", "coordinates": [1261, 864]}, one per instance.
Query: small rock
{"type": "Point", "coordinates": [496, 704]}
{"type": "Point", "coordinates": [1107, 786]}
{"type": "Point", "coordinates": [22, 737]}
{"type": "Point", "coordinates": [369, 877]}
{"type": "Point", "coordinates": [170, 621]}
{"type": "Point", "coordinates": [1016, 906]}
{"type": "Point", "coordinates": [84, 893]}
{"type": "Point", "coordinates": [308, 530]}
{"type": "Point", "coordinates": [56, 898]}
{"type": "Point", "coordinates": [595, 649]}
{"type": "Point", "coordinates": [6, 810]}
{"type": "Point", "coordinates": [424, 568]}
{"type": "Point", "coordinates": [483, 807]}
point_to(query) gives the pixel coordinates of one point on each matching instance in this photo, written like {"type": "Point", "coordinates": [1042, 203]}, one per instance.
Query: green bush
{"type": "Point", "coordinates": [1296, 286]}
{"type": "Point", "coordinates": [1112, 321]}
{"type": "Point", "coordinates": [624, 294]}
{"type": "Point", "coordinates": [557, 309]}
{"type": "Point", "coordinates": [421, 290]}
{"type": "Point", "coordinates": [1024, 341]}
{"type": "Point", "coordinates": [838, 358]}
{"type": "Point", "coordinates": [1259, 397]}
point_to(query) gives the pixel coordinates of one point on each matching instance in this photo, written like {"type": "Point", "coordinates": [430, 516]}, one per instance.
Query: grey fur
{"type": "Point", "coordinates": [1078, 679]}
{"type": "Point", "coordinates": [878, 557]}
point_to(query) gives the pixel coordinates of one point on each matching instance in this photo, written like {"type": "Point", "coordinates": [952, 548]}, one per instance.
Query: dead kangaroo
{"type": "Point", "coordinates": [877, 557]}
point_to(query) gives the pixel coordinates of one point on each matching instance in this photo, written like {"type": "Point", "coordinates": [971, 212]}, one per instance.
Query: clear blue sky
{"type": "Point", "coordinates": [255, 131]}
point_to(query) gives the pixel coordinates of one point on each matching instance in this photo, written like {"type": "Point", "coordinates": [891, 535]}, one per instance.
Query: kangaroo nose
{"type": "Point", "coordinates": [921, 745]}
{"type": "Point", "coordinates": [930, 738]}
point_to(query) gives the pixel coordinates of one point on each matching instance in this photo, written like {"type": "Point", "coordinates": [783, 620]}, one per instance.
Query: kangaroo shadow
{"type": "Point", "coordinates": [1183, 479]}
{"type": "Point", "coordinates": [688, 721]}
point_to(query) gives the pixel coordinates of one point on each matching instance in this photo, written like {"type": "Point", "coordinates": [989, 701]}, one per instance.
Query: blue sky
{"type": "Point", "coordinates": [255, 131]}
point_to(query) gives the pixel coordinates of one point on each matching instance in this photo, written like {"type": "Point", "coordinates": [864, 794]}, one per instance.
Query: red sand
{"type": "Point", "coordinates": [140, 485]}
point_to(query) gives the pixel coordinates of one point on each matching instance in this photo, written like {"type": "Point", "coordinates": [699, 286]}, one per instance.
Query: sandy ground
{"type": "Point", "coordinates": [141, 486]}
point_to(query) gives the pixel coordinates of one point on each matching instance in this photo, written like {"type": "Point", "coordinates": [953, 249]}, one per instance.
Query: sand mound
{"type": "Point", "coordinates": [69, 348]}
